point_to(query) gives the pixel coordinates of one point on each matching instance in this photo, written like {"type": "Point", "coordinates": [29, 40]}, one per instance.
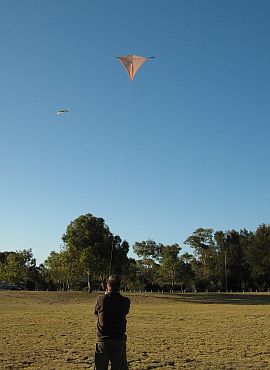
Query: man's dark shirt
{"type": "Point", "coordinates": [111, 310]}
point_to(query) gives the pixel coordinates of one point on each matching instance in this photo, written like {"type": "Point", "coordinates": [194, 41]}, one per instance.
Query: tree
{"type": "Point", "coordinates": [64, 271]}
{"type": "Point", "coordinates": [15, 267]}
{"type": "Point", "coordinates": [202, 240]}
{"type": "Point", "coordinates": [231, 267]}
{"type": "Point", "coordinates": [170, 263]}
{"type": "Point", "coordinates": [257, 251]}
{"type": "Point", "coordinates": [89, 242]}
{"type": "Point", "coordinates": [134, 275]}
{"type": "Point", "coordinates": [120, 261]}
{"type": "Point", "coordinates": [186, 273]}
{"type": "Point", "coordinates": [148, 249]}
{"type": "Point", "coordinates": [150, 252]}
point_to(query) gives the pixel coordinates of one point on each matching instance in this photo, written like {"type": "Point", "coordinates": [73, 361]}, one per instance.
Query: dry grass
{"type": "Point", "coordinates": [55, 330]}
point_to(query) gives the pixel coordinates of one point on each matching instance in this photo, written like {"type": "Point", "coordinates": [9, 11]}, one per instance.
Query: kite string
{"type": "Point", "coordinates": [121, 165]}
{"type": "Point", "coordinates": [122, 152]}
{"type": "Point", "coordinates": [76, 344]}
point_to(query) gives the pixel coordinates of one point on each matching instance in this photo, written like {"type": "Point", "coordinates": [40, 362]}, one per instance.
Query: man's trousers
{"type": "Point", "coordinates": [113, 351]}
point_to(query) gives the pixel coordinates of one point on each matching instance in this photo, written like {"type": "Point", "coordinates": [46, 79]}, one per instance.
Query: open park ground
{"type": "Point", "coordinates": [56, 330]}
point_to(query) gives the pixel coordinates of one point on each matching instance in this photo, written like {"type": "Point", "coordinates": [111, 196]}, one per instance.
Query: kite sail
{"type": "Point", "coordinates": [132, 63]}
{"type": "Point", "coordinates": [62, 111]}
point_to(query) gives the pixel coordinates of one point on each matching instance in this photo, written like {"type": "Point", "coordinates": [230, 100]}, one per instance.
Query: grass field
{"type": "Point", "coordinates": [56, 330]}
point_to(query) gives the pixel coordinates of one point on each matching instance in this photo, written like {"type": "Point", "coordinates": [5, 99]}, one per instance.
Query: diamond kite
{"type": "Point", "coordinates": [132, 63]}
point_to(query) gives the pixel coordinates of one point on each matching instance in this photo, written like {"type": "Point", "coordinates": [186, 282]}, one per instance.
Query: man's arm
{"type": "Point", "coordinates": [128, 305]}
{"type": "Point", "coordinates": [96, 308]}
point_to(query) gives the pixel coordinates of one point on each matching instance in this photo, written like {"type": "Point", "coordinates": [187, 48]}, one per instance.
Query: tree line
{"type": "Point", "coordinates": [221, 261]}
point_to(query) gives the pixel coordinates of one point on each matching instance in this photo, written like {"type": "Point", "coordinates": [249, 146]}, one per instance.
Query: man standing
{"type": "Point", "coordinates": [111, 310]}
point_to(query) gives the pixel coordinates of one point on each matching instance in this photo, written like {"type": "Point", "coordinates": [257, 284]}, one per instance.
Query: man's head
{"type": "Point", "coordinates": [113, 283]}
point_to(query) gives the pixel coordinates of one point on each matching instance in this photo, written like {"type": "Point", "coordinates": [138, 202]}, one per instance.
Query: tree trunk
{"type": "Point", "coordinates": [88, 281]}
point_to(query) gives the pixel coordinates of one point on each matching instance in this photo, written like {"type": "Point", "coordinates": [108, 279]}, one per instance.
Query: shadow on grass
{"type": "Point", "coordinates": [219, 298]}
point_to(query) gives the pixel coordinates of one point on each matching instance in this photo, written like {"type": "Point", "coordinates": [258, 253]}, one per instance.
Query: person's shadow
{"type": "Point", "coordinates": [220, 298]}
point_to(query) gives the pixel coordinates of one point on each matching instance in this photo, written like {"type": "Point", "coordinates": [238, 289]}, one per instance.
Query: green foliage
{"type": "Point", "coordinates": [228, 260]}
{"type": "Point", "coordinates": [90, 252]}
{"type": "Point", "coordinates": [16, 267]}
{"type": "Point", "coordinates": [222, 260]}
{"type": "Point", "coordinates": [258, 257]}
{"type": "Point", "coordinates": [88, 241]}
{"type": "Point", "coordinates": [170, 264]}
{"type": "Point", "coordinates": [120, 261]}
{"type": "Point", "coordinates": [148, 249]}
{"type": "Point", "coordinates": [134, 277]}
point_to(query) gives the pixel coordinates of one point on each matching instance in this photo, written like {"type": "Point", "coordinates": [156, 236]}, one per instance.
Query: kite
{"type": "Point", "coordinates": [132, 63]}
{"type": "Point", "coordinates": [62, 111]}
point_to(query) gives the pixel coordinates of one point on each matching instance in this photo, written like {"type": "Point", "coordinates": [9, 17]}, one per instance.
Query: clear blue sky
{"type": "Point", "coordinates": [191, 147]}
